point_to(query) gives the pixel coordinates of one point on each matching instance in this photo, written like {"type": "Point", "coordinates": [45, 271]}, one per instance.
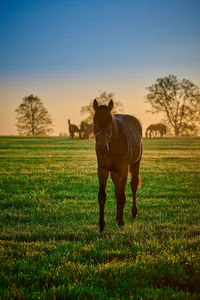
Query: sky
{"type": "Point", "coordinates": [68, 52]}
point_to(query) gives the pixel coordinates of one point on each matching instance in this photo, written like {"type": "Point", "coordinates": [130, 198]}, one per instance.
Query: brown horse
{"type": "Point", "coordinates": [86, 130]}
{"type": "Point", "coordinates": [156, 128]}
{"type": "Point", "coordinates": [118, 150]}
{"type": "Point", "coordinates": [73, 129]}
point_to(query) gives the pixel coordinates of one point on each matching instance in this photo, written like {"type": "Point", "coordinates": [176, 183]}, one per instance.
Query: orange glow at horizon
{"type": "Point", "coordinates": [64, 96]}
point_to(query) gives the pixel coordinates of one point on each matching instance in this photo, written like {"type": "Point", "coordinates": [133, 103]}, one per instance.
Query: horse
{"type": "Point", "coordinates": [73, 129]}
{"type": "Point", "coordinates": [86, 130]}
{"type": "Point", "coordinates": [161, 128]}
{"type": "Point", "coordinates": [118, 150]}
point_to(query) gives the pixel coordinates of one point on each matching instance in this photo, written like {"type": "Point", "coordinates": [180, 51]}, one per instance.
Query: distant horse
{"type": "Point", "coordinates": [118, 150]}
{"type": "Point", "coordinates": [86, 130]}
{"type": "Point", "coordinates": [156, 128]}
{"type": "Point", "coordinates": [73, 129]}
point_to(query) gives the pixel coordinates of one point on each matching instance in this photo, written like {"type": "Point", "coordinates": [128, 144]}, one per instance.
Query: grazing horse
{"type": "Point", "coordinates": [118, 150]}
{"type": "Point", "coordinates": [161, 128]}
{"type": "Point", "coordinates": [73, 129]}
{"type": "Point", "coordinates": [86, 130]}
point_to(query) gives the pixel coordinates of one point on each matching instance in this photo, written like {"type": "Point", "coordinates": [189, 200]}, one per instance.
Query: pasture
{"type": "Point", "coordinates": [50, 246]}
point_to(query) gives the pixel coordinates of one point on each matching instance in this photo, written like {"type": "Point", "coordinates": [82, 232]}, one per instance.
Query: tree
{"type": "Point", "coordinates": [104, 98]}
{"type": "Point", "coordinates": [179, 100]}
{"type": "Point", "coordinates": [32, 117]}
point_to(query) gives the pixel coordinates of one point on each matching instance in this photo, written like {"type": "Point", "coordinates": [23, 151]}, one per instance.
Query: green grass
{"type": "Point", "coordinates": [50, 246]}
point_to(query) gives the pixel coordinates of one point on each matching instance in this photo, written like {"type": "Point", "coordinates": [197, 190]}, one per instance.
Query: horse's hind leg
{"type": "Point", "coordinates": [135, 181]}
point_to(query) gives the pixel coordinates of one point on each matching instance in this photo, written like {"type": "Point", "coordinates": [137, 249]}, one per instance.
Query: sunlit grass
{"type": "Point", "coordinates": [49, 240]}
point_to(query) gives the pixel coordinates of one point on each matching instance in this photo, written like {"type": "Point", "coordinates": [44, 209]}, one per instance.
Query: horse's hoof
{"type": "Point", "coordinates": [101, 225]}
{"type": "Point", "coordinates": [134, 214]}
{"type": "Point", "coordinates": [101, 229]}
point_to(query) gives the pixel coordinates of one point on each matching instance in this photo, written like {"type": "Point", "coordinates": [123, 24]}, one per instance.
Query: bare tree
{"type": "Point", "coordinates": [179, 100]}
{"type": "Point", "coordinates": [32, 117]}
{"type": "Point", "coordinates": [104, 98]}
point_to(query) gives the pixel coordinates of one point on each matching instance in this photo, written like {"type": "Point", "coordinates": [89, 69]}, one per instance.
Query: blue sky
{"type": "Point", "coordinates": [52, 36]}
{"type": "Point", "coordinates": [96, 40]}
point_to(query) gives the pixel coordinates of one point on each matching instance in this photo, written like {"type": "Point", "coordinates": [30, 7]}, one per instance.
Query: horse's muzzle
{"type": "Point", "coordinates": [102, 149]}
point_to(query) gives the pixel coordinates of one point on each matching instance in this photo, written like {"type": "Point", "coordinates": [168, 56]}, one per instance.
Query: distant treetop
{"type": "Point", "coordinates": [104, 98]}
{"type": "Point", "coordinates": [33, 118]}
{"type": "Point", "coordinates": [179, 100]}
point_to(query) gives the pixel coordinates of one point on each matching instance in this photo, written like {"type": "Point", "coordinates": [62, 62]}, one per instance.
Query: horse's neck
{"type": "Point", "coordinates": [115, 129]}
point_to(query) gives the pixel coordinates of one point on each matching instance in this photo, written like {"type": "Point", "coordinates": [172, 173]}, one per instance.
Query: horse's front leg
{"type": "Point", "coordinates": [103, 176]}
{"type": "Point", "coordinates": [120, 180]}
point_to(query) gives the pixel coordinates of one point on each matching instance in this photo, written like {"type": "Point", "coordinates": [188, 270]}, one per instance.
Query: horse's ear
{"type": "Point", "coordinates": [110, 105]}
{"type": "Point", "coordinates": [95, 105]}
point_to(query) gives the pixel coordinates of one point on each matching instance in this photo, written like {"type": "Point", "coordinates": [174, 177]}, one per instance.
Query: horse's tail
{"type": "Point", "coordinates": [139, 182]}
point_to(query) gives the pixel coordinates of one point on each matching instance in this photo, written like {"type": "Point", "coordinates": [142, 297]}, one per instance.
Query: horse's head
{"type": "Point", "coordinates": [102, 126]}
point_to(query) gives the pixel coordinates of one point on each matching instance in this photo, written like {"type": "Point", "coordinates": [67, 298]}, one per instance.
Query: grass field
{"type": "Point", "coordinates": [50, 247]}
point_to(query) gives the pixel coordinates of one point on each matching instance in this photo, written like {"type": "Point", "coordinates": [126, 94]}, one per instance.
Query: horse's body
{"type": "Point", "coordinates": [156, 128]}
{"type": "Point", "coordinates": [119, 150]}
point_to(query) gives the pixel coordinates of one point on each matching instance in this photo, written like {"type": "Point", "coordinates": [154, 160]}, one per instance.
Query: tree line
{"type": "Point", "coordinates": [178, 100]}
